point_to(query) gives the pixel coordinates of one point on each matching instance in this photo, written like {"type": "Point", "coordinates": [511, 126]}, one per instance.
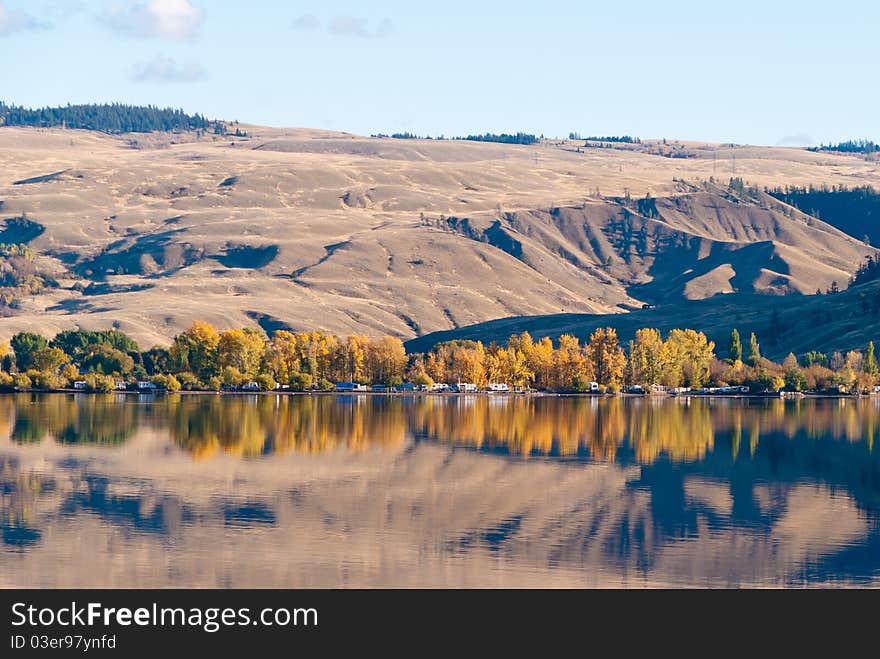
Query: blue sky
{"type": "Point", "coordinates": [747, 71]}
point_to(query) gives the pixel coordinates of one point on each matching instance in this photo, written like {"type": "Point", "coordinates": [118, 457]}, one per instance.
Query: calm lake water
{"type": "Point", "coordinates": [360, 491]}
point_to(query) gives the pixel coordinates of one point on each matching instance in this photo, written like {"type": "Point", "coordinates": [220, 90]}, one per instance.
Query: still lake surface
{"type": "Point", "coordinates": [405, 491]}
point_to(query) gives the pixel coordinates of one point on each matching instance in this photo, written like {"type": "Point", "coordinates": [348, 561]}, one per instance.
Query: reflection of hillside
{"type": "Point", "coordinates": [20, 493]}
{"type": "Point", "coordinates": [429, 515]}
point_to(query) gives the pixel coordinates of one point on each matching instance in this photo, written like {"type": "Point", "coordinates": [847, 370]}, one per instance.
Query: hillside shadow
{"type": "Point", "coordinates": [20, 230]}
{"type": "Point", "coordinates": [245, 256]}
{"type": "Point", "coordinates": [679, 264]}
{"type": "Point", "coordinates": [154, 255]}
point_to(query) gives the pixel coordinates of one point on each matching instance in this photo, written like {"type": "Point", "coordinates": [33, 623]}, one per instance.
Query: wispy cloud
{"type": "Point", "coordinates": [350, 26]}
{"type": "Point", "coordinates": [156, 19]}
{"type": "Point", "coordinates": [16, 20]}
{"type": "Point", "coordinates": [306, 22]}
{"type": "Point", "coordinates": [166, 69]}
{"type": "Point", "coordinates": [346, 26]}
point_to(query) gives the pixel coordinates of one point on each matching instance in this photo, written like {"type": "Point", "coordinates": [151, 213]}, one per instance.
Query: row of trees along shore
{"type": "Point", "coordinates": [203, 358]}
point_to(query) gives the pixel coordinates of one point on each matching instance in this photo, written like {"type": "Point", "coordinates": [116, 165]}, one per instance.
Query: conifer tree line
{"type": "Point", "coordinates": [203, 358]}
{"type": "Point", "coordinates": [850, 146]}
{"type": "Point", "coordinates": [107, 117]}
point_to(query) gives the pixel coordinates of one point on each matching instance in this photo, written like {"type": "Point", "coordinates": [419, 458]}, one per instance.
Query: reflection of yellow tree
{"type": "Point", "coordinates": [682, 431]}
{"type": "Point", "coordinates": [524, 426]}
{"type": "Point", "coordinates": [7, 414]}
{"type": "Point", "coordinates": [249, 426]}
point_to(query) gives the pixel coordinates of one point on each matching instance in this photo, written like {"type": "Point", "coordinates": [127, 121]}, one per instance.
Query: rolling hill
{"type": "Point", "coordinates": [309, 229]}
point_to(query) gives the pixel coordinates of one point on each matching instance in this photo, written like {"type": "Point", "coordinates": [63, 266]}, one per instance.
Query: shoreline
{"type": "Point", "coordinates": [450, 394]}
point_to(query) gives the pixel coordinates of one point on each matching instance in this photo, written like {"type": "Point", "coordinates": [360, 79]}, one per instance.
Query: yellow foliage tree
{"type": "Point", "coordinates": [607, 358]}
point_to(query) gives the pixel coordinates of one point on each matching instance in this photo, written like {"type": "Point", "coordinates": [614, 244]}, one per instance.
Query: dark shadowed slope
{"type": "Point", "coordinates": [796, 323]}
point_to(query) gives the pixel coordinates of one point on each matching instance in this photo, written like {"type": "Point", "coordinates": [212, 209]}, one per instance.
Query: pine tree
{"type": "Point", "coordinates": [754, 350]}
{"type": "Point", "coordinates": [735, 349]}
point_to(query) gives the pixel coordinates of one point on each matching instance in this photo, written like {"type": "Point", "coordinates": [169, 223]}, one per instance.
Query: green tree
{"type": "Point", "coordinates": [25, 346]}
{"type": "Point", "coordinates": [101, 358]}
{"type": "Point", "coordinates": [754, 350]}
{"type": "Point", "coordinates": [795, 379]}
{"type": "Point", "coordinates": [870, 360]}
{"type": "Point", "coordinates": [735, 348]}
{"type": "Point", "coordinates": [156, 360]}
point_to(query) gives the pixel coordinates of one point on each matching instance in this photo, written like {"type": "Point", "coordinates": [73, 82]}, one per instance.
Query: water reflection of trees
{"type": "Point", "coordinates": [684, 430]}
{"type": "Point", "coordinates": [681, 429]}
{"type": "Point", "coordinates": [257, 425]}
{"type": "Point", "coordinates": [71, 419]}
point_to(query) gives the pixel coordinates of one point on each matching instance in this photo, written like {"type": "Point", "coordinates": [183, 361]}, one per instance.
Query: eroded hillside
{"type": "Point", "coordinates": [310, 229]}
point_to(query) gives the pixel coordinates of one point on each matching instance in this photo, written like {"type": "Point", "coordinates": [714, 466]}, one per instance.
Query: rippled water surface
{"type": "Point", "coordinates": [362, 490]}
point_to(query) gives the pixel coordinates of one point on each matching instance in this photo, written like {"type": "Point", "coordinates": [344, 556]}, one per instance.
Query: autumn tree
{"type": "Point", "coordinates": [509, 365]}
{"type": "Point", "coordinates": [49, 360]}
{"type": "Point", "coordinates": [459, 361]}
{"type": "Point", "coordinates": [571, 364]}
{"type": "Point", "coordinates": [386, 360]}
{"type": "Point", "coordinates": [539, 360]}
{"type": "Point", "coordinates": [351, 361]}
{"type": "Point", "coordinates": [607, 357]}
{"type": "Point", "coordinates": [241, 349]}
{"type": "Point", "coordinates": [687, 357]}
{"type": "Point", "coordinates": [195, 350]}
{"type": "Point", "coordinates": [644, 362]}
{"type": "Point", "coordinates": [280, 357]}
{"type": "Point", "coordinates": [315, 352]}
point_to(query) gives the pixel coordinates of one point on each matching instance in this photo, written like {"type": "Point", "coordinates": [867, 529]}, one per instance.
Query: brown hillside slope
{"type": "Point", "coordinates": [309, 229]}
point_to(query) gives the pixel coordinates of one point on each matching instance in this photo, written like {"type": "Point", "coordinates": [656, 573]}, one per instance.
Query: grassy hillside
{"type": "Point", "coordinates": [796, 323]}
{"type": "Point", "coordinates": [317, 230]}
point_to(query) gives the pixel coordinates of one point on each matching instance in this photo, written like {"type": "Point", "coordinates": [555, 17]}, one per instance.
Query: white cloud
{"type": "Point", "coordinates": [16, 20]}
{"type": "Point", "coordinates": [155, 19]}
{"type": "Point", "coordinates": [306, 22]}
{"type": "Point", "coordinates": [166, 69]}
